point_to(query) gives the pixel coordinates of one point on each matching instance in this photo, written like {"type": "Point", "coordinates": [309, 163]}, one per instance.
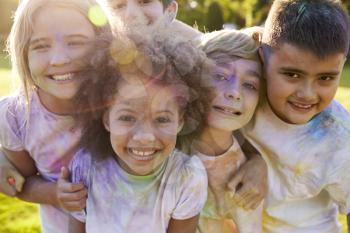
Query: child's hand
{"type": "Point", "coordinates": [71, 197]}
{"type": "Point", "coordinates": [11, 181]}
{"type": "Point", "coordinates": [249, 184]}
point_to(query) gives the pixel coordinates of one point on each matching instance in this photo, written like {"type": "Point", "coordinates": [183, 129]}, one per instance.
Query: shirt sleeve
{"type": "Point", "coordinates": [79, 170]}
{"type": "Point", "coordinates": [12, 118]}
{"type": "Point", "coordinates": [339, 180]}
{"type": "Point", "coordinates": [194, 187]}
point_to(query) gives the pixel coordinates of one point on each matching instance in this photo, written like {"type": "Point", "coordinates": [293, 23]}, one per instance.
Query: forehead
{"type": "Point", "coordinates": [239, 65]}
{"type": "Point", "coordinates": [146, 95]}
{"type": "Point", "coordinates": [53, 18]}
{"type": "Point", "coordinates": [288, 55]}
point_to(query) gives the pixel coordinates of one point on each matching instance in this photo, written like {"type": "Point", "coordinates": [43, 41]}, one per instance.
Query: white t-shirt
{"type": "Point", "coordinates": [220, 205]}
{"type": "Point", "coordinates": [119, 202]}
{"type": "Point", "coordinates": [308, 169]}
{"type": "Point", "coordinates": [50, 139]}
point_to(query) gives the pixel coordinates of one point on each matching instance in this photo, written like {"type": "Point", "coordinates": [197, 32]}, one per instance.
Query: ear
{"type": "Point", "coordinates": [172, 8]}
{"type": "Point", "coordinates": [105, 120]}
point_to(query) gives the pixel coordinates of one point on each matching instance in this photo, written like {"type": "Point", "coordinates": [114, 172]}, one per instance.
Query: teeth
{"type": "Point", "coordinates": [142, 153]}
{"type": "Point", "coordinates": [228, 111]}
{"type": "Point", "coordinates": [304, 106]}
{"type": "Point", "coordinates": [62, 77]}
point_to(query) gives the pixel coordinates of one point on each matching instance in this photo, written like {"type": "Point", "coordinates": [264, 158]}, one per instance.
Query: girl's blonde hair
{"type": "Point", "coordinates": [233, 43]}
{"type": "Point", "coordinates": [22, 30]}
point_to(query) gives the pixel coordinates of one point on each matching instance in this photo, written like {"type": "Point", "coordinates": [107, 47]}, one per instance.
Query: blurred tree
{"type": "Point", "coordinates": [214, 19]}
{"type": "Point", "coordinates": [242, 13]}
{"type": "Point", "coordinates": [7, 7]}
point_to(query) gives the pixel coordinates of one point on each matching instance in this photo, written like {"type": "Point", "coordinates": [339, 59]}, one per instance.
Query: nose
{"type": "Point", "coordinates": [233, 92]}
{"type": "Point", "coordinates": [306, 91]}
{"type": "Point", "coordinates": [144, 134]}
{"type": "Point", "coordinates": [59, 57]}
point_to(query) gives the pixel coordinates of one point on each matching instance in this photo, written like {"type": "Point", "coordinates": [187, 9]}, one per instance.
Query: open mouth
{"type": "Point", "coordinates": [301, 107]}
{"type": "Point", "coordinates": [142, 154]}
{"type": "Point", "coordinates": [227, 111]}
{"type": "Point", "coordinates": [62, 77]}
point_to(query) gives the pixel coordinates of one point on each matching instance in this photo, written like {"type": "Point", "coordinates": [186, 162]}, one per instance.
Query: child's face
{"type": "Point", "coordinates": [61, 37]}
{"type": "Point", "coordinates": [299, 84]}
{"type": "Point", "coordinates": [136, 11]}
{"type": "Point", "coordinates": [143, 124]}
{"type": "Point", "coordinates": [236, 93]}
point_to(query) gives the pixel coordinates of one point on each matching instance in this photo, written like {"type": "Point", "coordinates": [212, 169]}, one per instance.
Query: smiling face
{"type": "Point", "coordinates": [133, 12]}
{"type": "Point", "coordinates": [299, 84]}
{"type": "Point", "coordinates": [61, 37]}
{"type": "Point", "coordinates": [143, 124]}
{"type": "Point", "coordinates": [236, 90]}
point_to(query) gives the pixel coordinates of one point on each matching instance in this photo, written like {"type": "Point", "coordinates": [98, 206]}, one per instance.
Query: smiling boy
{"type": "Point", "coordinates": [302, 133]}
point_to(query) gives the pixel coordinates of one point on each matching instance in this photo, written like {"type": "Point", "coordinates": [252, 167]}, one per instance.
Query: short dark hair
{"type": "Point", "coordinates": [319, 26]}
{"type": "Point", "coordinates": [166, 3]}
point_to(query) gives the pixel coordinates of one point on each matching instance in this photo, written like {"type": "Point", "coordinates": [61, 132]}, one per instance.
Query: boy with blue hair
{"type": "Point", "coordinates": [301, 132]}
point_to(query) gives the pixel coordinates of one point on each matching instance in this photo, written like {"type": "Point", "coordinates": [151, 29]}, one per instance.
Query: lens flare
{"type": "Point", "coordinates": [97, 16]}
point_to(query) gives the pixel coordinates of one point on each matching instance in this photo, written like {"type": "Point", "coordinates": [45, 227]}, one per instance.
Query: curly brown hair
{"type": "Point", "coordinates": [153, 52]}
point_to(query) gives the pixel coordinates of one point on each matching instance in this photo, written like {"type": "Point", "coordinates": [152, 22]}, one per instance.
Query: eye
{"type": "Point", "coordinates": [326, 78]}
{"type": "Point", "coordinates": [127, 118]}
{"type": "Point", "coordinates": [220, 77]}
{"type": "Point", "coordinates": [162, 120]}
{"type": "Point", "coordinates": [250, 86]}
{"type": "Point", "coordinates": [76, 43]}
{"type": "Point", "coordinates": [40, 47]}
{"type": "Point", "coordinates": [291, 75]}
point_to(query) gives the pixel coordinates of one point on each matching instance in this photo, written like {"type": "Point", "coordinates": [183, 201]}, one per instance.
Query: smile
{"type": "Point", "coordinates": [142, 154]}
{"type": "Point", "coordinates": [62, 77]}
{"type": "Point", "coordinates": [227, 111]}
{"type": "Point", "coordinates": [300, 106]}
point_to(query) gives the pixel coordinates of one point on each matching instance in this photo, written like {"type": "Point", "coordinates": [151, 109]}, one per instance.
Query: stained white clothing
{"type": "Point", "coordinates": [308, 169]}
{"type": "Point", "coordinates": [50, 139]}
{"type": "Point", "coordinates": [119, 202]}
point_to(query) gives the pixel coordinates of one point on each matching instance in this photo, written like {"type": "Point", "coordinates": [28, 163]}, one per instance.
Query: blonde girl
{"type": "Point", "coordinates": [47, 42]}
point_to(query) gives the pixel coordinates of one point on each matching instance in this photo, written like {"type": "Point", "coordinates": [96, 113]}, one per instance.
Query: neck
{"type": "Point", "coordinates": [213, 142]}
{"type": "Point", "coordinates": [55, 105]}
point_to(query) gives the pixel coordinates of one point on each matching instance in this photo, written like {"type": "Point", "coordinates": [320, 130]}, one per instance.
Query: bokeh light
{"type": "Point", "coordinates": [97, 16]}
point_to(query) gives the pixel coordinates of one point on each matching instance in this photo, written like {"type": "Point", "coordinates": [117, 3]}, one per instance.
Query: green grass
{"type": "Point", "coordinates": [20, 217]}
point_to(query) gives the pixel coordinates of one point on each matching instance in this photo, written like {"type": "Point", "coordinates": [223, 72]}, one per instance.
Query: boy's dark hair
{"type": "Point", "coordinates": [160, 56]}
{"type": "Point", "coordinates": [166, 3]}
{"type": "Point", "coordinates": [319, 26]}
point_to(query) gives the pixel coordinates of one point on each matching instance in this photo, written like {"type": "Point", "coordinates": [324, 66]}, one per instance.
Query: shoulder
{"type": "Point", "coordinates": [335, 119]}
{"type": "Point", "coordinates": [185, 169]}
{"type": "Point", "coordinates": [80, 166]}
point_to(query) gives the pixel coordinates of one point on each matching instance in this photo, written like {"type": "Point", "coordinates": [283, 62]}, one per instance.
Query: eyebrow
{"type": "Point", "coordinates": [290, 69]}
{"type": "Point", "coordinates": [253, 73]}
{"type": "Point", "coordinates": [78, 36]}
{"type": "Point", "coordinates": [38, 40]}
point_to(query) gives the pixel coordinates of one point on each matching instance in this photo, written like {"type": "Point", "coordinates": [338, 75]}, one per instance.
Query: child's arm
{"type": "Point", "coordinates": [75, 226]}
{"type": "Point", "coordinates": [249, 184]}
{"type": "Point", "coordinates": [183, 226]}
{"type": "Point", "coordinates": [11, 181]}
{"type": "Point", "coordinates": [35, 185]}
